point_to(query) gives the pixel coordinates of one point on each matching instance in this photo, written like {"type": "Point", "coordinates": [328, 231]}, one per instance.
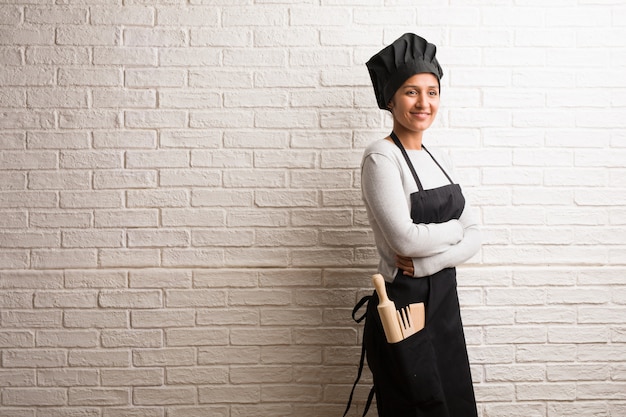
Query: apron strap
{"type": "Point", "coordinates": [356, 308]}
{"type": "Point", "coordinates": [395, 139]}
{"type": "Point", "coordinates": [440, 167]}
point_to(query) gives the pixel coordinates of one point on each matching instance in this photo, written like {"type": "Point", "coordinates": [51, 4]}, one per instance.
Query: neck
{"type": "Point", "coordinates": [410, 140]}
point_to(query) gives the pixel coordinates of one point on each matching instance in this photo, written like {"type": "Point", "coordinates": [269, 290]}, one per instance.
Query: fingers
{"type": "Point", "coordinates": [405, 264]}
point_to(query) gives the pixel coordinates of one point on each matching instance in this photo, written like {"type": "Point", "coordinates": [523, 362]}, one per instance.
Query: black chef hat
{"type": "Point", "coordinates": [391, 67]}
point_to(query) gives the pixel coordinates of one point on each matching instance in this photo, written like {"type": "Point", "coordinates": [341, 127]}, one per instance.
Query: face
{"type": "Point", "coordinates": [415, 104]}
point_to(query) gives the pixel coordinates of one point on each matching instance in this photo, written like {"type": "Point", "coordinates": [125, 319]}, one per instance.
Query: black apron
{"type": "Point", "coordinates": [427, 374]}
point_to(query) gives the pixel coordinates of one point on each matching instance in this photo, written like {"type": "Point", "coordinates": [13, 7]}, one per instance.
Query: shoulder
{"type": "Point", "coordinates": [382, 147]}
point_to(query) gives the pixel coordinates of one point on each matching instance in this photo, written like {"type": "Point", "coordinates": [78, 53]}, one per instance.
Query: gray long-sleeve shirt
{"type": "Point", "coordinates": [387, 184]}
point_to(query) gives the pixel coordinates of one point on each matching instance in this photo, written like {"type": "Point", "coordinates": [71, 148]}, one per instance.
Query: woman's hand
{"type": "Point", "coordinates": [405, 264]}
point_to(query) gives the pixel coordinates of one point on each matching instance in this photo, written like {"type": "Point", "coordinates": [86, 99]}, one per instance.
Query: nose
{"type": "Point", "coordinates": [422, 99]}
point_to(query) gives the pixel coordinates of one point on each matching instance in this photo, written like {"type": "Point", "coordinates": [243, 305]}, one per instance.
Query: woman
{"type": "Point", "coordinates": [423, 229]}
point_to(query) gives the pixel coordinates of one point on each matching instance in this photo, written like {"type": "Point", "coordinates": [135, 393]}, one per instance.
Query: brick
{"type": "Point", "coordinates": [159, 278]}
{"type": "Point", "coordinates": [95, 319]}
{"type": "Point", "coordinates": [98, 396]}
{"type": "Point", "coordinates": [132, 377]}
{"type": "Point", "coordinates": [196, 375]}
{"type": "Point", "coordinates": [34, 397]}
{"type": "Point", "coordinates": [251, 16]}
{"type": "Point", "coordinates": [33, 160]}
{"type": "Point", "coordinates": [91, 159]}
{"type": "Point", "coordinates": [298, 393]}
{"type": "Point", "coordinates": [34, 358]}
{"type": "Point", "coordinates": [17, 378]}
{"type": "Point", "coordinates": [133, 258]}
{"type": "Point", "coordinates": [31, 319]}
{"type": "Point", "coordinates": [69, 339]}
{"type": "Point", "coordinates": [95, 279]}
{"type": "Point", "coordinates": [162, 318]}
{"type": "Point", "coordinates": [64, 299]}
{"type": "Point", "coordinates": [30, 76]}
{"type": "Point", "coordinates": [193, 217]}
{"type": "Point", "coordinates": [220, 37]}
{"type": "Point", "coordinates": [29, 240]}
{"type": "Point", "coordinates": [155, 118]}
{"type": "Point", "coordinates": [57, 98]}
{"type": "Point", "coordinates": [196, 337]}
{"type": "Point", "coordinates": [195, 298]}
{"type": "Point", "coordinates": [163, 357]}
{"type": "Point", "coordinates": [189, 99]}
{"type": "Point", "coordinates": [89, 119]}
{"type": "Point", "coordinates": [144, 37]}
{"type": "Point", "coordinates": [14, 259]}
{"type": "Point", "coordinates": [57, 55]}
{"type": "Point", "coordinates": [99, 358]}
{"type": "Point", "coordinates": [157, 159]}
{"type": "Point", "coordinates": [132, 338]}
{"type": "Point", "coordinates": [64, 258]}
{"type": "Point", "coordinates": [263, 337]}
{"type": "Point", "coordinates": [269, 409]}
{"type": "Point", "coordinates": [53, 140]}
{"type": "Point", "coordinates": [133, 411]}
{"type": "Point", "coordinates": [225, 278]}
{"type": "Point", "coordinates": [127, 15]}
{"type": "Point", "coordinates": [228, 355]}
{"type": "Point", "coordinates": [221, 119]}
{"type": "Point", "coordinates": [27, 36]}
{"type": "Point", "coordinates": [286, 79]}
{"type": "Point", "coordinates": [126, 218]}
{"type": "Point", "coordinates": [190, 139]}
{"type": "Point", "coordinates": [201, 258]}
{"type": "Point", "coordinates": [13, 98]}
{"type": "Point", "coordinates": [10, 15]}
{"type": "Point", "coordinates": [160, 238]}
{"type": "Point", "coordinates": [222, 159]}
{"type": "Point", "coordinates": [154, 78]}
{"type": "Point", "coordinates": [132, 299]}
{"type": "Point", "coordinates": [220, 79]}
{"type": "Point", "coordinates": [67, 377]}
{"type": "Point", "coordinates": [229, 316]}
{"type": "Point", "coordinates": [255, 257]}
{"type": "Point", "coordinates": [229, 393]}
{"type": "Point", "coordinates": [135, 139]}
{"type": "Point", "coordinates": [16, 339]}
{"type": "Point", "coordinates": [116, 98]}
{"type": "Point", "coordinates": [260, 375]}
{"type": "Point", "coordinates": [223, 237]}
{"type": "Point", "coordinates": [125, 179]}
{"type": "Point", "coordinates": [120, 55]}
{"type": "Point", "coordinates": [164, 396]}
{"type": "Point", "coordinates": [65, 180]}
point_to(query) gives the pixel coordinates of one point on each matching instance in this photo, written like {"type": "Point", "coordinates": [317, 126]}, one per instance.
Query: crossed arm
{"type": "Point", "coordinates": [421, 249]}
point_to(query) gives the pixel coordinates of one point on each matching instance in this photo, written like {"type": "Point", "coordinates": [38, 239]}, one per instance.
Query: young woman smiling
{"type": "Point", "coordinates": [423, 229]}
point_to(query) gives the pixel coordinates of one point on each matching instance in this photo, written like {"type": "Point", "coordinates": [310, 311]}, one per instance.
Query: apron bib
{"type": "Point", "coordinates": [427, 374]}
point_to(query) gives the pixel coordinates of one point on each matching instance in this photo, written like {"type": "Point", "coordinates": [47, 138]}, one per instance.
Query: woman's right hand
{"type": "Point", "coordinates": [405, 264]}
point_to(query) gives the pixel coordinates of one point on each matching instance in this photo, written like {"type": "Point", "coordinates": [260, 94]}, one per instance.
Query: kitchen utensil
{"type": "Point", "coordinates": [387, 311]}
{"type": "Point", "coordinates": [411, 319]}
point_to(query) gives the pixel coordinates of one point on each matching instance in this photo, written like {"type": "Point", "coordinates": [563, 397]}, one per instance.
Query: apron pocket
{"type": "Point", "coordinates": [416, 365]}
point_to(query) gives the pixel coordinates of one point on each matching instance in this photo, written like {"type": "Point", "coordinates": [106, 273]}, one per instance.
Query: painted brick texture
{"type": "Point", "coordinates": [181, 229]}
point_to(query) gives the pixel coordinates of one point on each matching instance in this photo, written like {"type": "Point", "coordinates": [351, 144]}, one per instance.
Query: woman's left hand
{"type": "Point", "coordinates": [405, 264]}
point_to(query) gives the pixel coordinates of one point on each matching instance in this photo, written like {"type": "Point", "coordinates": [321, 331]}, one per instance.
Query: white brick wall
{"type": "Point", "coordinates": [181, 231]}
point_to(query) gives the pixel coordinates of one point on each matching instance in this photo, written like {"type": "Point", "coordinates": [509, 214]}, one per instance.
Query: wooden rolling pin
{"type": "Point", "coordinates": [387, 311]}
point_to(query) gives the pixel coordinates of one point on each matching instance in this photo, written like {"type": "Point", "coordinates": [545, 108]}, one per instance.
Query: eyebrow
{"type": "Point", "coordinates": [417, 86]}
